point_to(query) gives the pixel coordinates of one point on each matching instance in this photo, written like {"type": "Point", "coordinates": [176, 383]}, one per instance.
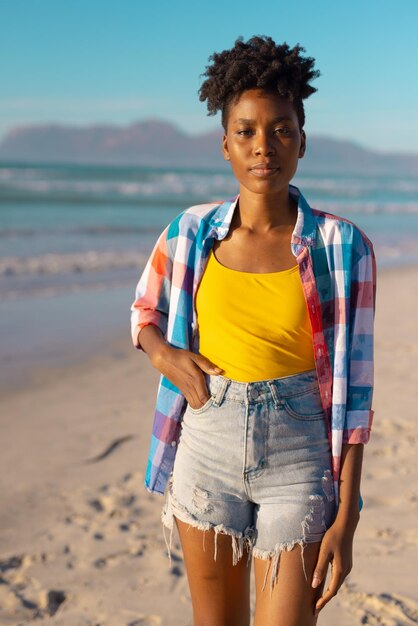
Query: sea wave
{"type": "Point", "coordinates": [74, 263]}
{"type": "Point", "coordinates": [364, 206]}
{"type": "Point", "coordinates": [100, 261]}
{"type": "Point", "coordinates": [357, 186]}
{"type": "Point", "coordinates": [158, 185]}
{"type": "Point", "coordinates": [155, 187]}
{"type": "Point", "coordinates": [6, 233]}
{"type": "Point", "coordinates": [52, 274]}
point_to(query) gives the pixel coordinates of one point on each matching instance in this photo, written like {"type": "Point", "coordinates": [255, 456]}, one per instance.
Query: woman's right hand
{"type": "Point", "coordinates": [185, 369]}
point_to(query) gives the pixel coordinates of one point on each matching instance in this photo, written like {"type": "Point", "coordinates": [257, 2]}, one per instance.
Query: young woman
{"type": "Point", "coordinates": [258, 312]}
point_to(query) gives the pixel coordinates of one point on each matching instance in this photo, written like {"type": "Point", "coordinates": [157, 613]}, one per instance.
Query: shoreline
{"type": "Point", "coordinates": [44, 335]}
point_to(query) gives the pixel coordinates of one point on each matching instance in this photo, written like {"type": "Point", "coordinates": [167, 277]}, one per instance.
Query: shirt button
{"type": "Point", "coordinates": [254, 394]}
{"type": "Point", "coordinates": [173, 444]}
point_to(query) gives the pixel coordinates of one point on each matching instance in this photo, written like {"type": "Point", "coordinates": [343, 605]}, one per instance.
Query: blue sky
{"type": "Point", "coordinates": [81, 62]}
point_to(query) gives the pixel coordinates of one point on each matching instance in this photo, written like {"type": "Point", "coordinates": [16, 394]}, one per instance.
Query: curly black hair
{"type": "Point", "coordinates": [258, 64]}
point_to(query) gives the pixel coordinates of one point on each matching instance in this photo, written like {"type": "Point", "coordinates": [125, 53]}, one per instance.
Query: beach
{"type": "Point", "coordinates": [81, 540]}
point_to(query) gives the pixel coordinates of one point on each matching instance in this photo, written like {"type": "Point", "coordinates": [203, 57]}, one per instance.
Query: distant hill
{"type": "Point", "coordinates": [158, 143]}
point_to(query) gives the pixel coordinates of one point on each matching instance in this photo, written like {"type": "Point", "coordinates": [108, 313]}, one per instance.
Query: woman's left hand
{"type": "Point", "coordinates": [337, 549]}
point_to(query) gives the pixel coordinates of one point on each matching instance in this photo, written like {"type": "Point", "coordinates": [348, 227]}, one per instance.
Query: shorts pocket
{"type": "Point", "coordinates": [203, 408]}
{"type": "Point", "coordinates": [305, 406]}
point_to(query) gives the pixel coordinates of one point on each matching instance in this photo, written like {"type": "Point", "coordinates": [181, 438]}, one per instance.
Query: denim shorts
{"type": "Point", "coordinates": [254, 462]}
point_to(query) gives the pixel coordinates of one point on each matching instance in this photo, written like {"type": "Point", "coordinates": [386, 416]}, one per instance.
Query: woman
{"type": "Point", "coordinates": [258, 312]}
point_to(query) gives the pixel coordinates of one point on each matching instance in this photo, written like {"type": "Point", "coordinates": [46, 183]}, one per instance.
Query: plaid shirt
{"type": "Point", "coordinates": [338, 272]}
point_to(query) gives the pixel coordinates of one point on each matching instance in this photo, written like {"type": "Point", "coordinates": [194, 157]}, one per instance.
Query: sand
{"type": "Point", "coordinates": [81, 541]}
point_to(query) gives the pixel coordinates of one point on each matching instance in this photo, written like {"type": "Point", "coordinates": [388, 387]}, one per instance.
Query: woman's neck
{"type": "Point", "coordinates": [261, 213]}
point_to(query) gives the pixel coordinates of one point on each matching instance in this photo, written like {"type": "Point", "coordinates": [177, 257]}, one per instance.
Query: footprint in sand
{"type": "Point", "coordinates": [22, 593]}
{"type": "Point", "coordinates": [113, 504]}
{"type": "Point", "coordinates": [50, 601]}
{"type": "Point", "coordinates": [386, 533]}
{"type": "Point", "coordinates": [146, 620]}
{"type": "Point", "coordinates": [382, 609]}
{"type": "Point", "coordinates": [110, 559]}
{"type": "Point", "coordinates": [103, 504]}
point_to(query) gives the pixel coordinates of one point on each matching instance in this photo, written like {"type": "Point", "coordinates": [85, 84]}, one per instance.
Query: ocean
{"type": "Point", "coordinates": [74, 240]}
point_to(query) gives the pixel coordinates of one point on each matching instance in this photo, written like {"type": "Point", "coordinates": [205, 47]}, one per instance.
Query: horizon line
{"type": "Point", "coordinates": [177, 126]}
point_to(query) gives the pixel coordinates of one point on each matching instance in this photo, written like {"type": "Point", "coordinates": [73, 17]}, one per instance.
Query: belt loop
{"type": "Point", "coordinates": [276, 399]}
{"type": "Point", "coordinates": [221, 391]}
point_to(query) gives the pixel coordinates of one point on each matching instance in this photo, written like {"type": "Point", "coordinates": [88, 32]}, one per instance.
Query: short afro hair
{"type": "Point", "coordinates": [258, 64]}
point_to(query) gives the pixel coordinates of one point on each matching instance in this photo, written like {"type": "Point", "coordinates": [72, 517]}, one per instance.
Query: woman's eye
{"type": "Point", "coordinates": [282, 130]}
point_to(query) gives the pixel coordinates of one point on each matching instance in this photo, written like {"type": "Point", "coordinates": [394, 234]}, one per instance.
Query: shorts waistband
{"type": "Point", "coordinates": [221, 387]}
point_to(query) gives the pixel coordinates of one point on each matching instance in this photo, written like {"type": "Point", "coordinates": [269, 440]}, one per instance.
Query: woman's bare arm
{"type": "Point", "coordinates": [337, 544]}
{"type": "Point", "coordinates": [350, 477]}
{"type": "Point", "coordinates": [151, 340]}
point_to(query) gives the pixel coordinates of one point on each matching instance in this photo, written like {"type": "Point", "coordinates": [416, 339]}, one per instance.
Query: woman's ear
{"type": "Point", "coordinates": [302, 148]}
{"type": "Point", "coordinates": [225, 150]}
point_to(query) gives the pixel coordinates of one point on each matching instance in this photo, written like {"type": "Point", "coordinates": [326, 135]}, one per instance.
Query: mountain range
{"type": "Point", "coordinates": [157, 143]}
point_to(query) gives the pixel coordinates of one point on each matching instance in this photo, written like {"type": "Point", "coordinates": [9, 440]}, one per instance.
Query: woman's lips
{"type": "Point", "coordinates": [264, 172]}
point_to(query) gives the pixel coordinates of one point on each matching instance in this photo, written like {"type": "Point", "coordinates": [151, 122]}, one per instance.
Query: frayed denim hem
{"type": "Point", "coordinates": [244, 540]}
{"type": "Point", "coordinates": [240, 540]}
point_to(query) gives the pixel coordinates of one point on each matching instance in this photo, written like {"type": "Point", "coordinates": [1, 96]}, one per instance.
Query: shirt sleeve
{"type": "Point", "coordinates": [152, 294]}
{"type": "Point", "coordinates": [359, 415]}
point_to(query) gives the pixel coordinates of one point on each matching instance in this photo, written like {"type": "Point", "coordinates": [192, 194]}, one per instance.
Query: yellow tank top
{"type": "Point", "coordinates": [253, 326]}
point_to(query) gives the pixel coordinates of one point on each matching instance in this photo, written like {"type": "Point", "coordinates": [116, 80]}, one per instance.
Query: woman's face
{"type": "Point", "coordinates": [263, 141]}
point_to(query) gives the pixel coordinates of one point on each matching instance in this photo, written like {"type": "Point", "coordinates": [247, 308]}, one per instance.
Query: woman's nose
{"type": "Point", "coordinates": [263, 145]}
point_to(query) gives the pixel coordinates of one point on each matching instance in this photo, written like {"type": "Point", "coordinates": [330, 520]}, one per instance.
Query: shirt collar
{"type": "Point", "coordinates": [303, 234]}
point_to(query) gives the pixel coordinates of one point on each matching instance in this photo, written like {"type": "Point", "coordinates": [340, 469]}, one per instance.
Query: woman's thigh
{"type": "Point", "coordinates": [220, 590]}
{"type": "Point", "coordinates": [291, 602]}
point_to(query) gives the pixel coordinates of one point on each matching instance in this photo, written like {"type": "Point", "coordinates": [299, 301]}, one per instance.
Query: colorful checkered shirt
{"type": "Point", "coordinates": [338, 272]}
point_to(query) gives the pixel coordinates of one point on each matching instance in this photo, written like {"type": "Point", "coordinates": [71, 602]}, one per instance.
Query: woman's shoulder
{"type": "Point", "coordinates": [337, 229]}
{"type": "Point", "coordinates": [190, 227]}
{"type": "Point", "coordinates": [192, 219]}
